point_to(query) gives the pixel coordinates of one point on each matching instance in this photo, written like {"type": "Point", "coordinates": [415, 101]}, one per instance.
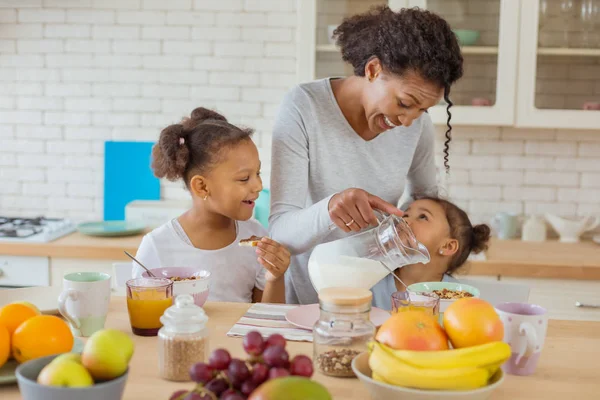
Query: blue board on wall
{"type": "Point", "coordinates": [127, 177]}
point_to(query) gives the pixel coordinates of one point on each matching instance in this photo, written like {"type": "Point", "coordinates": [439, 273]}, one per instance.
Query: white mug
{"type": "Point", "coordinates": [525, 328]}
{"type": "Point", "coordinates": [84, 301]}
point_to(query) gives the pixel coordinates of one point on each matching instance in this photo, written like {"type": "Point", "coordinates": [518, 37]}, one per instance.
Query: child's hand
{"type": "Point", "coordinates": [274, 257]}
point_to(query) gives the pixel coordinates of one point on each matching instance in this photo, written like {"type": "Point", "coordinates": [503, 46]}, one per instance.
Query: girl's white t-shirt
{"type": "Point", "coordinates": [234, 269]}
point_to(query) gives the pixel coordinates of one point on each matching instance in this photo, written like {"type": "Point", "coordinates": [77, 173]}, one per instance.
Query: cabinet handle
{"type": "Point", "coordinates": [583, 305]}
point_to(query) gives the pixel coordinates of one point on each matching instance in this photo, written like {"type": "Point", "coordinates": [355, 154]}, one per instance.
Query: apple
{"type": "Point", "coordinates": [65, 372]}
{"type": "Point", "coordinates": [68, 356]}
{"type": "Point", "coordinates": [106, 354]}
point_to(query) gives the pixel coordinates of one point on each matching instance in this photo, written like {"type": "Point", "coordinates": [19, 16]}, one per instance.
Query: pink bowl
{"type": "Point", "coordinates": [198, 288]}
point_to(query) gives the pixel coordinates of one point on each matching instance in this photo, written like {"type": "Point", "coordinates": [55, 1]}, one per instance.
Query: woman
{"type": "Point", "coordinates": [343, 147]}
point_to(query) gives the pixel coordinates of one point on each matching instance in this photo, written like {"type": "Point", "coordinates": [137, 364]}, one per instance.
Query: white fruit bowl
{"type": "Point", "coordinates": [383, 391]}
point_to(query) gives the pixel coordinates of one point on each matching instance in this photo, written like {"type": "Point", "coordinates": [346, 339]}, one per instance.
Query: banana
{"type": "Point", "coordinates": [486, 355]}
{"type": "Point", "coordinates": [397, 372]}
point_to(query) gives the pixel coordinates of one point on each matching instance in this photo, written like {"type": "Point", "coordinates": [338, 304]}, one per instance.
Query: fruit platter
{"type": "Point", "coordinates": [413, 357]}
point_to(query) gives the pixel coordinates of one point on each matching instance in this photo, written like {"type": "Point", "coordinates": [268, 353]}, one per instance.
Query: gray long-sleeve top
{"type": "Point", "coordinates": [316, 154]}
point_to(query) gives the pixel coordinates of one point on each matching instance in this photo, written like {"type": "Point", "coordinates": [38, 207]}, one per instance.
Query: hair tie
{"type": "Point", "coordinates": [181, 141]}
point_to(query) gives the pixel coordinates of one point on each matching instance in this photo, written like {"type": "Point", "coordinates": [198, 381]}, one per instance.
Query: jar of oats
{"type": "Point", "coordinates": [183, 339]}
{"type": "Point", "coordinates": [343, 329]}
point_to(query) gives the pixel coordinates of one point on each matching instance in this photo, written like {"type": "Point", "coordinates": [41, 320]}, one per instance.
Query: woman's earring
{"type": "Point", "coordinates": [441, 252]}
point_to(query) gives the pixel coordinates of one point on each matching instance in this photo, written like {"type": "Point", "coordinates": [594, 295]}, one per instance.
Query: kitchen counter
{"type": "Point", "coordinates": [512, 258]}
{"type": "Point", "coordinates": [567, 366]}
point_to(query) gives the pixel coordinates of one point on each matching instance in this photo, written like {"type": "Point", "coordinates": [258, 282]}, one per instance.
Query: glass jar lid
{"type": "Point", "coordinates": [341, 298]}
{"type": "Point", "coordinates": [184, 316]}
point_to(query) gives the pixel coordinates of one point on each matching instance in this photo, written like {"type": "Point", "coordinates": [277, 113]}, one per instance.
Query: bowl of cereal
{"type": "Point", "coordinates": [186, 280]}
{"type": "Point", "coordinates": [448, 292]}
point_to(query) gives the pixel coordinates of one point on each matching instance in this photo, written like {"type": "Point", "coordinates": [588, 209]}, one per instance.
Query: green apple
{"type": "Point", "coordinates": [65, 372]}
{"type": "Point", "coordinates": [106, 354]}
{"type": "Point", "coordinates": [68, 356]}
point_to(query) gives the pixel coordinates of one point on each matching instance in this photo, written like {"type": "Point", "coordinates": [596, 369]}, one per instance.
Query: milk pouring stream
{"type": "Point", "coordinates": [355, 261]}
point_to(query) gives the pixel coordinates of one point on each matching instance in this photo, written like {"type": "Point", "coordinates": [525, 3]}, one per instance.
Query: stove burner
{"type": "Point", "coordinates": [23, 227]}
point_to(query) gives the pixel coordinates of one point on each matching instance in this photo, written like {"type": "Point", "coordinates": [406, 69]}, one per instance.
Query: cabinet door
{"type": "Point", "coordinates": [559, 64]}
{"type": "Point", "coordinates": [317, 56]}
{"type": "Point", "coordinates": [487, 30]}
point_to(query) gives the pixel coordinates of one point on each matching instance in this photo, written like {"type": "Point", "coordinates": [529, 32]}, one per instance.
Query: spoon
{"type": "Point", "coordinates": [142, 265]}
{"type": "Point", "coordinates": [393, 274]}
{"type": "Point", "coordinates": [579, 304]}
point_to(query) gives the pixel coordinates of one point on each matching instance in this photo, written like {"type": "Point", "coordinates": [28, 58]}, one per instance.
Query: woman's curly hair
{"type": "Point", "coordinates": [194, 145]}
{"type": "Point", "coordinates": [410, 39]}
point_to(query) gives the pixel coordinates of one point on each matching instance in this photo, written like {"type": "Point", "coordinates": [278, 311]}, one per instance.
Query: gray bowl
{"type": "Point", "coordinates": [28, 372]}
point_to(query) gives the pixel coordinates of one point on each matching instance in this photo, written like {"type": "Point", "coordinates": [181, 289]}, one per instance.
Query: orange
{"type": "Point", "coordinates": [4, 345]}
{"type": "Point", "coordinates": [12, 315]}
{"type": "Point", "coordinates": [41, 336]}
{"type": "Point", "coordinates": [472, 321]}
{"type": "Point", "coordinates": [412, 330]}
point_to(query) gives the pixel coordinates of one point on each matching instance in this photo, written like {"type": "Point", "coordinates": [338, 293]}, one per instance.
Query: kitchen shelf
{"type": "Point", "coordinates": [332, 48]}
{"type": "Point", "coordinates": [564, 51]}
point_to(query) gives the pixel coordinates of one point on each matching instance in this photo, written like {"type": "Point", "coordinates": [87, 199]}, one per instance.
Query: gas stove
{"type": "Point", "coordinates": [40, 229]}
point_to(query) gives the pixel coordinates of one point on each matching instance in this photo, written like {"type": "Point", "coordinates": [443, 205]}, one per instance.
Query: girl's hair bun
{"type": "Point", "coordinates": [170, 156]}
{"type": "Point", "coordinates": [481, 237]}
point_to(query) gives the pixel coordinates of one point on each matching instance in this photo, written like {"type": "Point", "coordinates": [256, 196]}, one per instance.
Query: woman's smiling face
{"type": "Point", "coordinates": [390, 100]}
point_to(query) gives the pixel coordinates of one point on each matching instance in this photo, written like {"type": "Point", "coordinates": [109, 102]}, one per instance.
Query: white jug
{"type": "Point", "coordinates": [534, 229]}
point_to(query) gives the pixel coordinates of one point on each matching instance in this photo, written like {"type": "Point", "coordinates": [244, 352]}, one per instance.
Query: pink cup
{"type": "Point", "coordinates": [525, 328]}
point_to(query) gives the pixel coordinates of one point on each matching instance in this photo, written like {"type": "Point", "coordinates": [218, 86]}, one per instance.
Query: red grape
{"type": "Point", "coordinates": [219, 359]}
{"type": "Point", "coordinates": [217, 386]}
{"type": "Point", "coordinates": [260, 372]}
{"type": "Point", "coordinates": [302, 366]}
{"type": "Point", "coordinates": [248, 387]}
{"type": "Point", "coordinates": [201, 373]}
{"type": "Point", "coordinates": [278, 373]}
{"type": "Point", "coordinates": [238, 371]}
{"type": "Point", "coordinates": [231, 394]}
{"type": "Point", "coordinates": [254, 343]}
{"type": "Point", "coordinates": [196, 396]}
{"type": "Point", "coordinates": [276, 340]}
{"type": "Point", "coordinates": [176, 395]}
{"type": "Point", "coordinates": [276, 356]}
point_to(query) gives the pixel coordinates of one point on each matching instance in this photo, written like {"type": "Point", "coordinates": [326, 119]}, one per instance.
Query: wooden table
{"type": "Point", "coordinates": [568, 367]}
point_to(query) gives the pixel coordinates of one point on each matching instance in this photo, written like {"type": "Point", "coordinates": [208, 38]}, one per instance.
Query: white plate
{"type": "Point", "coordinates": [305, 316]}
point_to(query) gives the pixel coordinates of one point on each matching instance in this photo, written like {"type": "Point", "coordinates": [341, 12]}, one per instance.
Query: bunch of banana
{"type": "Point", "coordinates": [457, 369]}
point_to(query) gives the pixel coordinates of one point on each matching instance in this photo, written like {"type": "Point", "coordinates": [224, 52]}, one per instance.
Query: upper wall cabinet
{"type": "Point", "coordinates": [528, 63]}
{"type": "Point", "coordinates": [488, 34]}
{"type": "Point", "coordinates": [559, 64]}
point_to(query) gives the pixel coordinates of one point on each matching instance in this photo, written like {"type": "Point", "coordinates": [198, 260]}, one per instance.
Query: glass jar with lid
{"type": "Point", "coordinates": [343, 329]}
{"type": "Point", "coordinates": [183, 339]}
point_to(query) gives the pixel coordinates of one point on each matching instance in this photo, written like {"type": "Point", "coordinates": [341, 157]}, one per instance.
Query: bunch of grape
{"type": "Point", "coordinates": [224, 378]}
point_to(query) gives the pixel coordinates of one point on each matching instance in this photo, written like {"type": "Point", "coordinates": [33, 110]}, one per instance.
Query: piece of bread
{"type": "Point", "coordinates": [252, 241]}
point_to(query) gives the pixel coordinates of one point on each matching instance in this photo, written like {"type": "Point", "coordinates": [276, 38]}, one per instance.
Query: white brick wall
{"type": "Point", "coordinates": [74, 74]}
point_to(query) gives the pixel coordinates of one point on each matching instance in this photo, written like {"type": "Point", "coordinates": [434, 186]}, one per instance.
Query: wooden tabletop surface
{"type": "Point", "coordinates": [568, 366]}
{"type": "Point", "coordinates": [514, 258]}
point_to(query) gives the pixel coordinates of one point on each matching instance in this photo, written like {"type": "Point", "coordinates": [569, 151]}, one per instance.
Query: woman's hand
{"type": "Point", "coordinates": [352, 209]}
{"type": "Point", "coordinates": [274, 257]}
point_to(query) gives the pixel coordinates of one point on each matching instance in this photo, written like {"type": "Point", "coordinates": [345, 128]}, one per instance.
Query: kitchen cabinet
{"type": "Point", "coordinates": [517, 72]}
{"type": "Point", "coordinates": [559, 64]}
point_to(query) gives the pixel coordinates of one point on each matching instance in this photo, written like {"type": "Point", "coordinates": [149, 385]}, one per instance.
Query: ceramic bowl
{"type": "Point", "coordinates": [466, 37]}
{"type": "Point", "coordinates": [444, 303]}
{"type": "Point", "coordinates": [198, 288]}
{"type": "Point", "coordinates": [28, 372]}
{"type": "Point", "coordinates": [384, 391]}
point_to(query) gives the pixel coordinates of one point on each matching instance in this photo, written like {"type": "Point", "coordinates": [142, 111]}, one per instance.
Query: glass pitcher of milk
{"type": "Point", "coordinates": [355, 261]}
